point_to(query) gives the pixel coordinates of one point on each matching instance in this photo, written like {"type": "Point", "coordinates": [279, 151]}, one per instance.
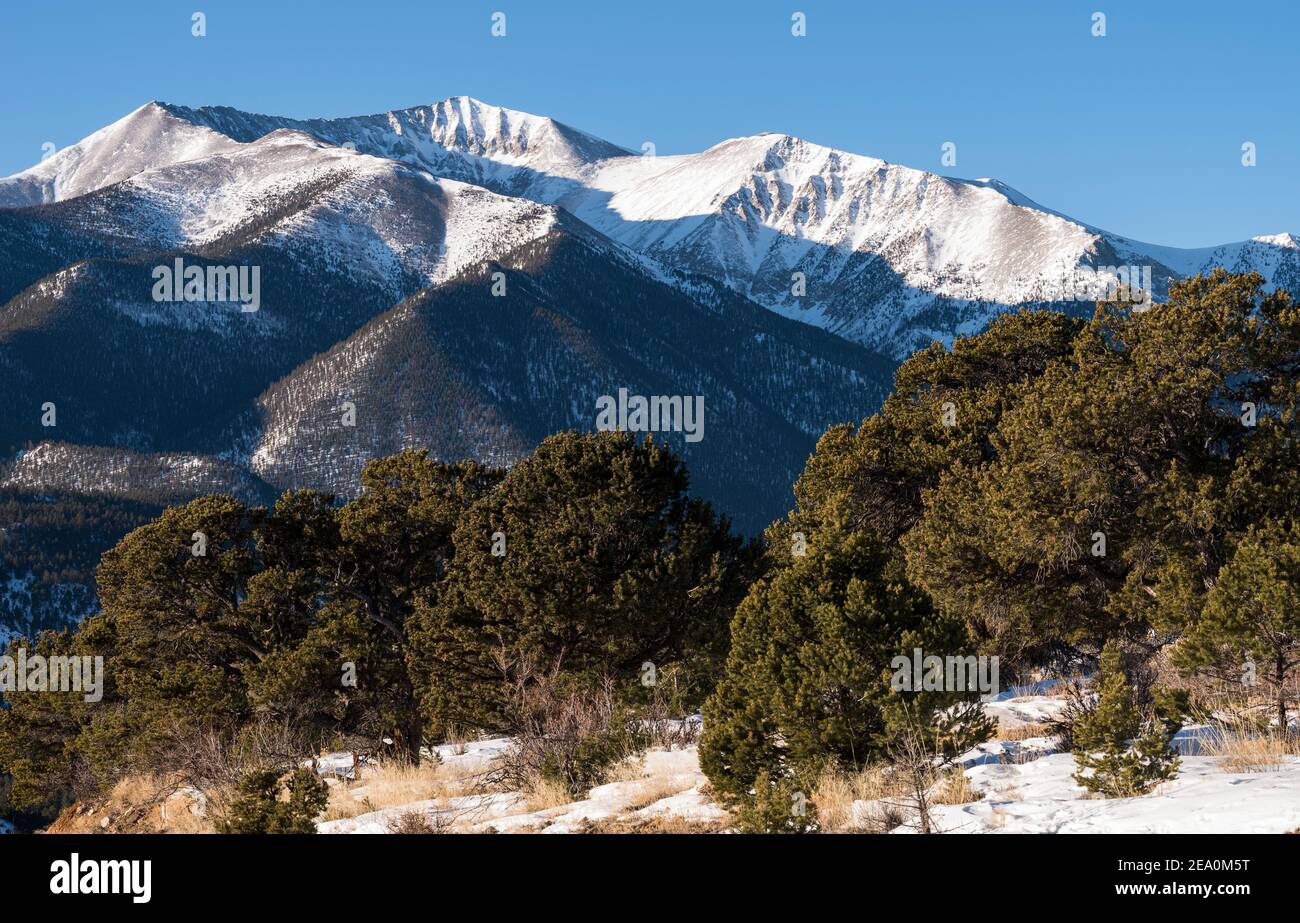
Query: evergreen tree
{"type": "Point", "coordinates": [1249, 628]}
{"type": "Point", "coordinates": [1117, 474]}
{"type": "Point", "coordinates": [944, 408]}
{"type": "Point", "coordinates": [37, 731]}
{"type": "Point", "coordinates": [258, 807]}
{"type": "Point", "coordinates": [1118, 752]}
{"type": "Point", "coordinates": [807, 681]}
{"type": "Point", "coordinates": [396, 544]}
{"type": "Point", "coordinates": [589, 561]}
{"type": "Point", "coordinates": [775, 806]}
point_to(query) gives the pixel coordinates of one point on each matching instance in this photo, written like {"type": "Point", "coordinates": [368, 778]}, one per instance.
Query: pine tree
{"type": "Point", "coordinates": [807, 681]}
{"type": "Point", "coordinates": [776, 806]}
{"type": "Point", "coordinates": [589, 561]}
{"type": "Point", "coordinates": [258, 807]}
{"type": "Point", "coordinates": [1119, 754]}
{"type": "Point", "coordinates": [1249, 628]}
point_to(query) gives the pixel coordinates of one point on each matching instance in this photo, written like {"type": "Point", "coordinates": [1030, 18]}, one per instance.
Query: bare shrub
{"type": "Point", "coordinates": [1080, 703]}
{"type": "Point", "coordinates": [572, 737]}
{"type": "Point", "coordinates": [666, 711]}
{"type": "Point", "coordinates": [916, 763]}
{"type": "Point", "coordinates": [214, 759]}
{"type": "Point", "coordinates": [418, 822]}
{"type": "Point", "coordinates": [216, 756]}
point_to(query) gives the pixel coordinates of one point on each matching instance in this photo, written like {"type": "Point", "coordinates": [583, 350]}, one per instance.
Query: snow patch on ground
{"type": "Point", "coordinates": [1026, 786]}
{"type": "Point", "coordinates": [1041, 796]}
{"type": "Point", "coordinates": [669, 788]}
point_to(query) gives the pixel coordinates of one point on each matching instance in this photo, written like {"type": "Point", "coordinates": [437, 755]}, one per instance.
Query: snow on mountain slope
{"type": "Point", "coordinates": [1275, 256]}
{"type": "Point", "coordinates": [53, 468]}
{"type": "Point", "coordinates": [460, 138]}
{"type": "Point", "coordinates": [868, 236]}
{"type": "Point", "coordinates": [891, 257]}
{"type": "Point", "coordinates": [470, 375]}
{"type": "Point", "coordinates": [149, 137]}
{"type": "Point", "coordinates": [364, 216]}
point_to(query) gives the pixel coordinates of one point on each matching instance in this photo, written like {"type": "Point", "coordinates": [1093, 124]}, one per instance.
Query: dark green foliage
{"type": "Point", "coordinates": [608, 564]}
{"type": "Point", "coordinates": [259, 808]}
{"type": "Point", "coordinates": [291, 614]}
{"type": "Point", "coordinates": [775, 806]}
{"type": "Point", "coordinates": [1058, 483]}
{"type": "Point", "coordinates": [1119, 752]}
{"type": "Point", "coordinates": [219, 618]}
{"type": "Point", "coordinates": [1120, 473]}
{"type": "Point", "coordinates": [395, 544]}
{"type": "Point", "coordinates": [26, 820]}
{"type": "Point", "coordinates": [37, 732]}
{"type": "Point", "coordinates": [807, 680]}
{"type": "Point", "coordinates": [1249, 629]}
{"type": "Point", "coordinates": [875, 478]}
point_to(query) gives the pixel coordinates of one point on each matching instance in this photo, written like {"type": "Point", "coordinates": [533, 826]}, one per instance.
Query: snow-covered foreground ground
{"type": "Point", "coordinates": [1024, 786]}
{"type": "Point", "coordinates": [1041, 796]}
{"type": "Point", "coordinates": [668, 789]}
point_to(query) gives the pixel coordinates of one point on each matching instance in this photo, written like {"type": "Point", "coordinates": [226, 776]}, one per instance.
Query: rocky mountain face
{"type": "Point", "coordinates": [470, 279]}
{"type": "Point", "coordinates": [885, 255]}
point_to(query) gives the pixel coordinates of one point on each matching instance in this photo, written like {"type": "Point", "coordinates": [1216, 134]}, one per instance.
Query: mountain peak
{"type": "Point", "coordinates": [1285, 239]}
{"type": "Point", "coordinates": [473, 126]}
{"type": "Point", "coordinates": [148, 136]}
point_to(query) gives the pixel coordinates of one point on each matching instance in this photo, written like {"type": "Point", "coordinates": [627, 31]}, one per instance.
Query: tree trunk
{"type": "Point", "coordinates": [1282, 728]}
{"type": "Point", "coordinates": [411, 735]}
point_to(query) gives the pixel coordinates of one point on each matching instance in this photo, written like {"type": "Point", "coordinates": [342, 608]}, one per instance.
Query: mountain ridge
{"type": "Point", "coordinates": [780, 280]}
{"type": "Point", "coordinates": [891, 256]}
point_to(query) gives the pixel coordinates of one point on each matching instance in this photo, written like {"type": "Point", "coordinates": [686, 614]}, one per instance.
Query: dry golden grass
{"type": "Point", "coordinates": [655, 788]}
{"type": "Point", "coordinates": [835, 793]}
{"type": "Point", "coordinates": [1021, 731]}
{"type": "Point", "coordinates": [143, 803]}
{"type": "Point", "coordinates": [1238, 749]}
{"type": "Point", "coordinates": [955, 788]}
{"type": "Point", "coordinates": [387, 785]}
{"type": "Point", "coordinates": [544, 794]}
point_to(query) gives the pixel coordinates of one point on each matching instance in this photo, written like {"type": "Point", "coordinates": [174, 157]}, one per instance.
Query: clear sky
{"type": "Point", "coordinates": [1139, 132]}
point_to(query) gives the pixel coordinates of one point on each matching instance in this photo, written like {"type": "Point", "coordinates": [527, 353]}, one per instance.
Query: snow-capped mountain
{"type": "Point", "coordinates": [882, 254]}
{"type": "Point", "coordinates": [149, 137]}
{"type": "Point", "coordinates": [779, 279]}
{"type": "Point", "coordinates": [365, 216]}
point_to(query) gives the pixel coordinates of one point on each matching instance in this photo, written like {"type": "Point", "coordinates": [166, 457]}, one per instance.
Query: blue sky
{"type": "Point", "coordinates": [1138, 132]}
